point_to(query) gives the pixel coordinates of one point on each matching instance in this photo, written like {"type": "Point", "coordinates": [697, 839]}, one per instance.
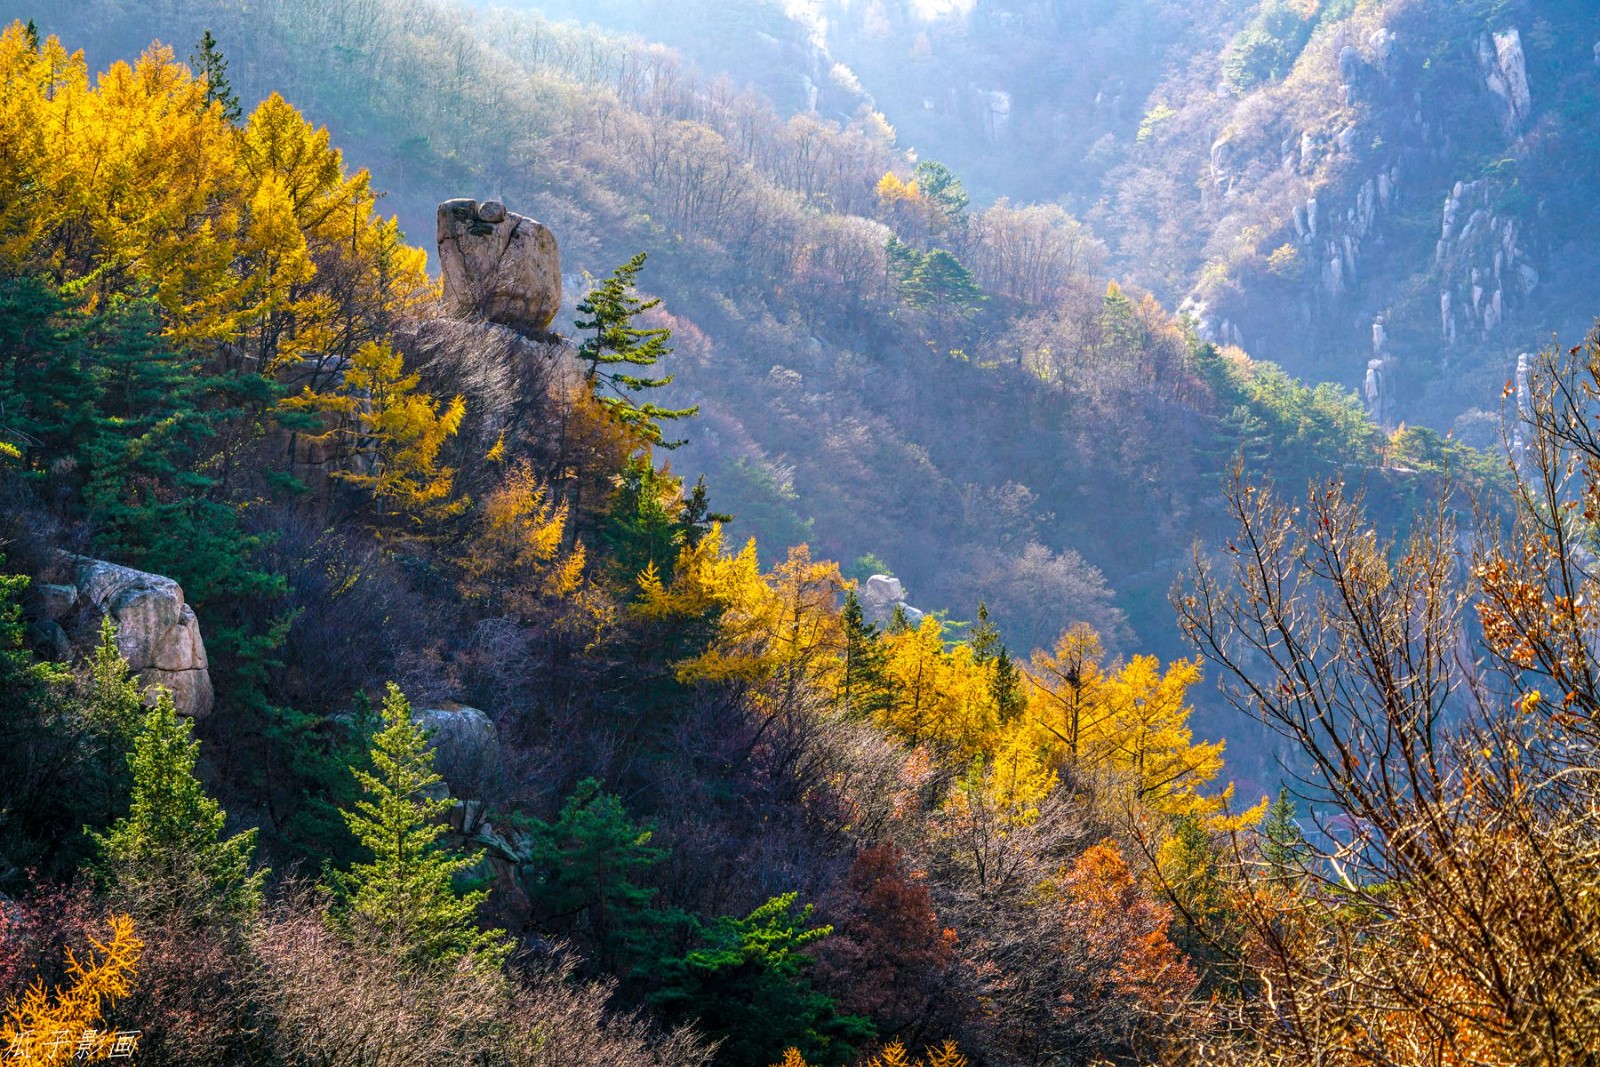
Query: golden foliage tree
{"type": "Point", "coordinates": [63, 1025]}
{"type": "Point", "coordinates": [391, 431]}
{"type": "Point", "coordinates": [264, 255]}
{"type": "Point", "coordinates": [780, 631]}
{"type": "Point", "coordinates": [517, 562]}
{"type": "Point", "coordinates": [1131, 720]}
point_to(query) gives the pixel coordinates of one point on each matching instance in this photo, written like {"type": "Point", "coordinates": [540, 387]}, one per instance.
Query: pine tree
{"type": "Point", "coordinates": [32, 32]}
{"type": "Point", "coordinates": [748, 986]}
{"type": "Point", "coordinates": [940, 185]}
{"type": "Point", "coordinates": [36, 765]}
{"type": "Point", "coordinates": [1005, 677]}
{"type": "Point", "coordinates": [45, 374]}
{"type": "Point", "coordinates": [617, 345]}
{"type": "Point", "coordinates": [863, 687]}
{"type": "Point", "coordinates": [167, 856]}
{"type": "Point", "coordinates": [405, 898]}
{"type": "Point", "coordinates": [1190, 866]}
{"type": "Point", "coordinates": [111, 704]}
{"type": "Point", "coordinates": [209, 63]}
{"type": "Point", "coordinates": [943, 283]}
{"type": "Point", "coordinates": [903, 263]}
{"type": "Point", "coordinates": [147, 416]}
{"type": "Point", "coordinates": [1005, 684]}
{"type": "Point", "coordinates": [1283, 845]}
{"type": "Point", "coordinates": [591, 856]}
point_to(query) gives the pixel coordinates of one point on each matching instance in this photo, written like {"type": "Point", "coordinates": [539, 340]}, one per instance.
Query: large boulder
{"type": "Point", "coordinates": [466, 747]}
{"type": "Point", "coordinates": [880, 596]}
{"type": "Point", "coordinates": [157, 633]}
{"type": "Point", "coordinates": [498, 266]}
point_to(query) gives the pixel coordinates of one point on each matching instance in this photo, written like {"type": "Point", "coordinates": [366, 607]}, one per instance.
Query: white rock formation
{"type": "Point", "coordinates": [880, 596]}
{"type": "Point", "coordinates": [1505, 72]}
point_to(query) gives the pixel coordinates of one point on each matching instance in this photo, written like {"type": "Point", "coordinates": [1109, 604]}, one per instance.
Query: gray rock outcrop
{"type": "Point", "coordinates": [466, 746]}
{"type": "Point", "coordinates": [466, 753]}
{"type": "Point", "coordinates": [157, 633]}
{"type": "Point", "coordinates": [880, 596]}
{"type": "Point", "coordinates": [498, 266]}
{"type": "Point", "coordinates": [1482, 262]}
{"type": "Point", "coordinates": [1505, 73]}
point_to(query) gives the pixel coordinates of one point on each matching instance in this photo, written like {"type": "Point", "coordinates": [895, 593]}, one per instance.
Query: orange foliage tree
{"type": "Point", "coordinates": [1126, 968]}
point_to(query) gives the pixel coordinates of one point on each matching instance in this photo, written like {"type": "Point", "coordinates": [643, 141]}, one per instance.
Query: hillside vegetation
{"type": "Point", "coordinates": [524, 752]}
{"type": "Point", "coordinates": [997, 426]}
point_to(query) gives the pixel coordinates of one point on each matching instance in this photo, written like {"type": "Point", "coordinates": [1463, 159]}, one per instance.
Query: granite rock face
{"type": "Point", "coordinates": [466, 746]}
{"type": "Point", "coordinates": [157, 633]}
{"type": "Point", "coordinates": [498, 266]}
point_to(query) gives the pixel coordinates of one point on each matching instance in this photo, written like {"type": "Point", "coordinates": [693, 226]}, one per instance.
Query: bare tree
{"type": "Point", "coordinates": [1442, 915]}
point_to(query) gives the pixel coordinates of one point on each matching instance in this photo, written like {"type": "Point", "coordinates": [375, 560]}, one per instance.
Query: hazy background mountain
{"type": "Point", "coordinates": [1197, 137]}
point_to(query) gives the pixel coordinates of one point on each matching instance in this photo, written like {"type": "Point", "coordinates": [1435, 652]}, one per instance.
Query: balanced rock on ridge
{"type": "Point", "coordinates": [498, 266]}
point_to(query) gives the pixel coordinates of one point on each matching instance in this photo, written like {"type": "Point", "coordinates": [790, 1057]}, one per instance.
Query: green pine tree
{"type": "Point", "coordinates": [167, 856]}
{"type": "Point", "coordinates": [1005, 678]}
{"type": "Point", "coordinates": [46, 378]}
{"type": "Point", "coordinates": [208, 62]}
{"type": "Point", "coordinates": [590, 858]}
{"type": "Point", "coordinates": [864, 690]}
{"type": "Point", "coordinates": [618, 353]}
{"type": "Point", "coordinates": [111, 704]}
{"type": "Point", "coordinates": [1206, 928]}
{"type": "Point", "coordinates": [1005, 686]}
{"type": "Point", "coordinates": [39, 813]}
{"type": "Point", "coordinates": [405, 898]}
{"type": "Point", "coordinates": [903, 263]}
{"type": "Point", "coordinates": [748, 986]}
{"type": "Point", "coordinates": [939, 184]}
{"type": "Point", "coordinates": [942, 283]}
{"type": "Point", "coordinates": [1283, 845]}
{"type": "Point", "coordinates": [33, 36]}
{"type": "Point", "coordinates": [642, 524]}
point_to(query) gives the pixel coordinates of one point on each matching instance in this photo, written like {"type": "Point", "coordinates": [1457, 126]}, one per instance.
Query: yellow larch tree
{"type": "Point", "coordinates": [780, 632]}
{"type": "Point", "coordinates": [32, 176]}
{"type": "Point", "coordinates": [131, 180]}
{"type": "Point", "coordinates": [264, 255]}
{"type": "Point", "coordinates": [48, 1026]}
{"type": "Point", "coordinates": [1066, 686]}
{"type": "Point", "coordinates": [1130, 721]}
{"type": "Point", "coordinates": [1020, 776]}
{"type": "Point", "coordinates": [390, 432]}
{"type": "Point", "coordinates": [517, 562]}
{"type": "Point", "coordinates": [937, 694]}
{"type": "Point", "coordinates": [1147, 735]}
{"type": "Point", "coordinates": [331, 275]}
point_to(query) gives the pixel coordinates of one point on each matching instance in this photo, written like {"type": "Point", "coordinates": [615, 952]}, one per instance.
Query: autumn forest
{"type": "Point", "coordinates": [839, 532]}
